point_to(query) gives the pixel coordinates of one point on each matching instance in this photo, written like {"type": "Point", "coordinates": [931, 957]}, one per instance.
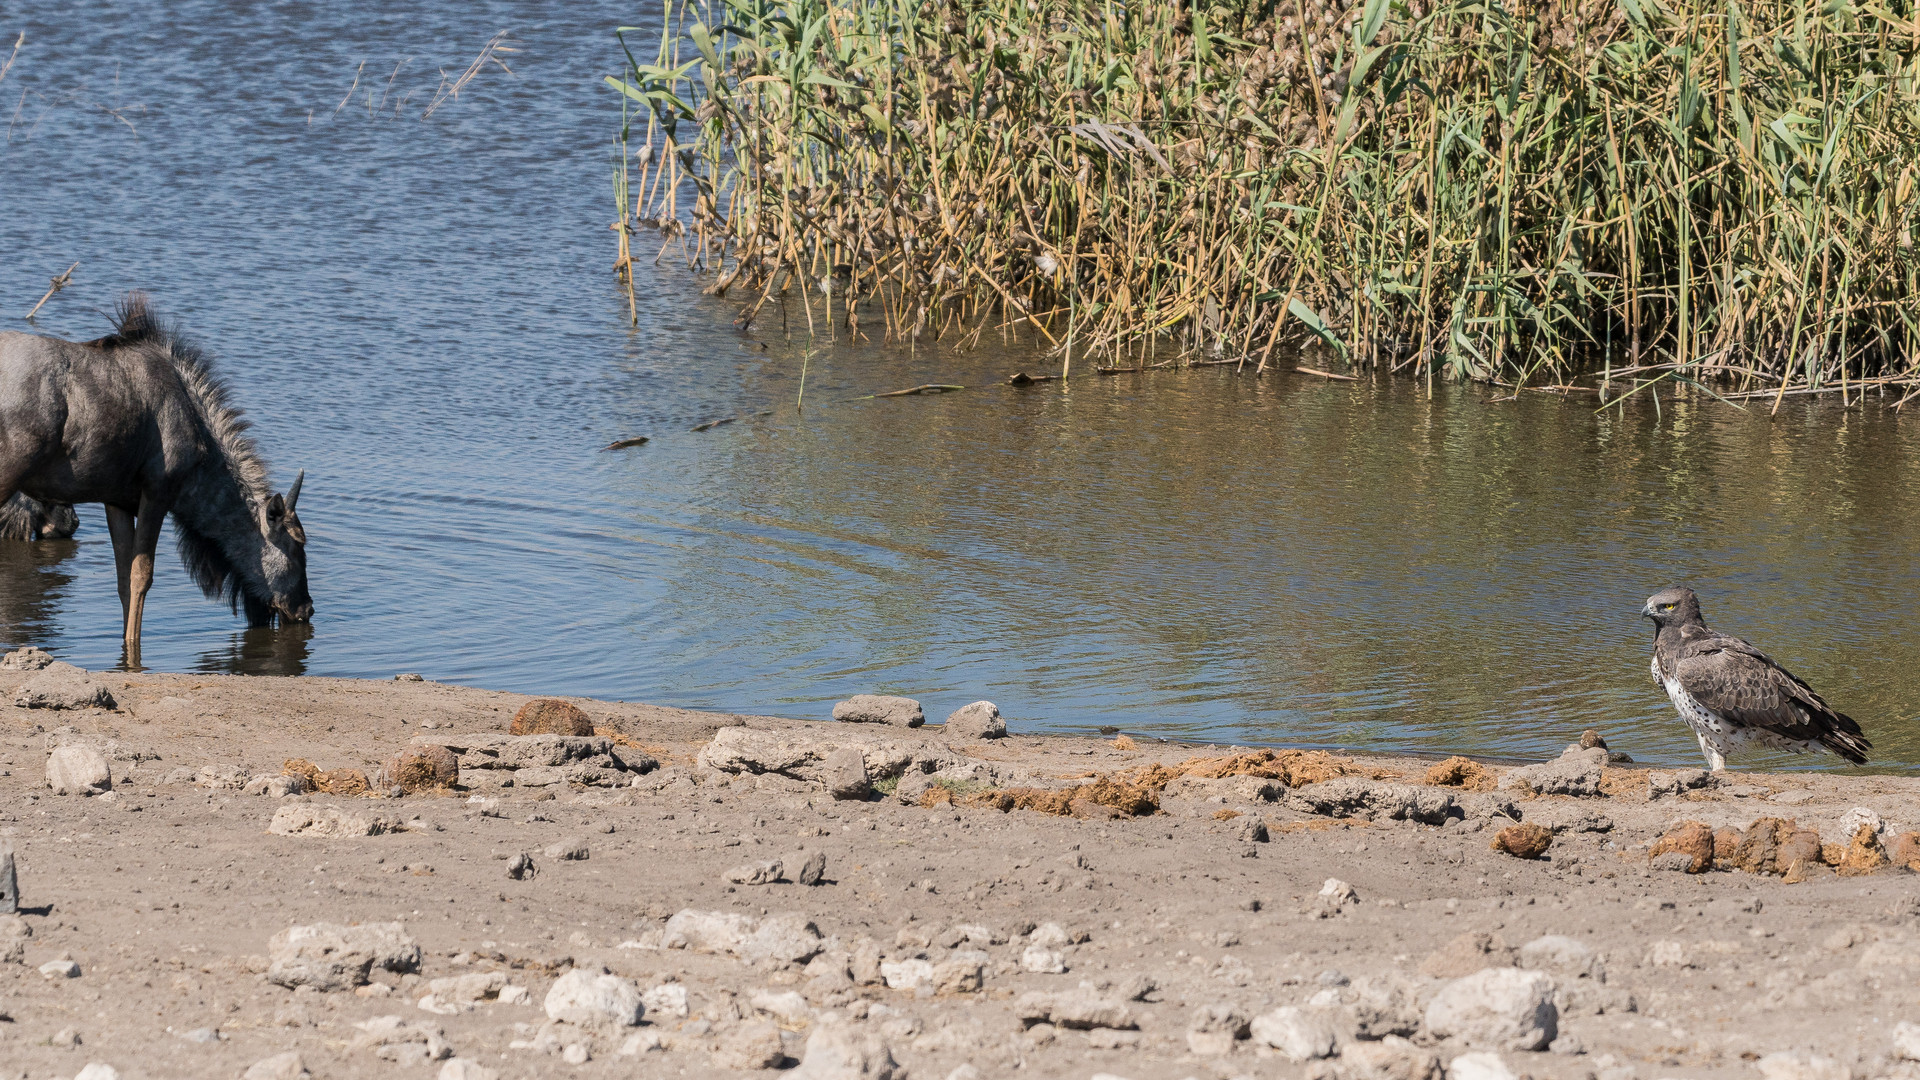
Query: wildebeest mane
{"type": "Point", "coordinates": [232, 451]}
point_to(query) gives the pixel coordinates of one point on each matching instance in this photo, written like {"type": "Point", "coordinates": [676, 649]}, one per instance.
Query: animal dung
{"type": "Point", "coordinates": [550, 716]}
{"type": "Point", "coordinates": [1524, 841]}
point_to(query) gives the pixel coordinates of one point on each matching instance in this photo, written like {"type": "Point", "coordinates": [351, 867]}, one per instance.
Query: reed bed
{"type": "Point", "coordinates": [1529, 194]}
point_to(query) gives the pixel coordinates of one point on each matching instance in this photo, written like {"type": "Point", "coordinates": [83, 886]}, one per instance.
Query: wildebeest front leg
{"type": "Point", "coordinates": [146, 537]}
{"type": "Point", "coordinates": [120, 528]}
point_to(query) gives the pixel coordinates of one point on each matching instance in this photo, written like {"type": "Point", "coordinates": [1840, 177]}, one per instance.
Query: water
{"type": "Point", "coordinates": [421, 313]}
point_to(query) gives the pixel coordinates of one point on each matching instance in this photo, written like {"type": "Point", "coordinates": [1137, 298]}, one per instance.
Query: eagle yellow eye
{"type": "Point", "coordinates": [1666, 607]}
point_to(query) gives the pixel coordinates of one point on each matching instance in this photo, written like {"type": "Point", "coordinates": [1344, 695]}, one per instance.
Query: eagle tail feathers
{"type": "Point", "coordinates": [1844, 738]}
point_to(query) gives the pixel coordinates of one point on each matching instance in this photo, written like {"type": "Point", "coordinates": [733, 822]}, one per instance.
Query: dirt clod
{"type": "Point", "coordinates": [1864, 853]}
{"type": "Point", "coordinates": [550, 716]}
{"type": "Point", "coordinates": [1524, 841]}
{"type": "Point", "coordinates": [1694, 839]}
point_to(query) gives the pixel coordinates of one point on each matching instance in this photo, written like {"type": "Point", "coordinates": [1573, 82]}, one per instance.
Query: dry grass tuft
{"type": "Point", "coordinates": [1461, 773]}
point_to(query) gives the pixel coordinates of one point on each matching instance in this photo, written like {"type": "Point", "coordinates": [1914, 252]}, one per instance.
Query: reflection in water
{"type": "Point", "coordinates": [261, 650]}
{"type": "Point", "coordinates": [34, 576]}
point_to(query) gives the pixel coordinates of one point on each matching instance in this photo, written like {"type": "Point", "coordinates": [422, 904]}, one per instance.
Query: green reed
{"type": "Point", "coordinates": [1516, 194]}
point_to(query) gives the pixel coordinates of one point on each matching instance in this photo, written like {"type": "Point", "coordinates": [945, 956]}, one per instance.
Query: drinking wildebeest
{"type": "Point", "coordinates": [22, 518]}
{"type": "Point", "coordinates": [139, 422]}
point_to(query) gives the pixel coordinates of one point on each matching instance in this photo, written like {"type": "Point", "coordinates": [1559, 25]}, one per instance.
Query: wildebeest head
{"type": "Point", "coordinates": [284, 559]}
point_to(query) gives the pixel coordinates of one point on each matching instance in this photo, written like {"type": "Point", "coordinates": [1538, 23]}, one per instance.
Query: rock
{"type": "Point", "coordinates": [405, 1042]}
{"type": "Point", "coordinates": [1591, 739]}
{"type": "Point", "coordinates": [1564, 958]}
{"type": "Point", "coordinates": [632, 759]}
{"type": "Point", "coordinates": [814, 870]}
{"type": "Point", "coordinates": [26, 658]}
{"type": "Point", "coordinates": [466, 1069]}
{"type": "Point", "coordinates": [1223, 789]}
{"type": "Point", "coordinates": [1693, 839]}
{"type": "Point", "coordinates": [306, 819]}
{"type": "Point", "coordinates": [594, 1000]}
{"type": "Point", "coordinates": [800, 754]}
{"type": "Point", "coordinates": [62, 968]}
{"type": "Point", "coordinates": [464, 989]}
{"type": "Point", "coordinates": [752, 1045]}
{"type": "Point", "coordinates": [756, 873]}
{"type": "Point", "coordinates": [78, 770]}
{"type": "Point", "coordinates": [567, 851]}
{"type": "Point", "coordinates": [276, 787]}
{"type": "Point", "coordinates": [839, 1051]}
{"type": "Point", "coordinates": [1353, 796]}
{"type": "Point", "coordinates": [1334, 897]}
{"type": "Point", "coordinates": [492, 750]}
{"type": "Point", "coordinates": [784, 939]}
{"type": "Point", "coordinates": [1080, 1009]}
{"type": "Point", "coordinates": [550, 716]}
{"type": "Point", "coordinates": [786, 1007]}
{"type": "Point", "coordinates": [1466, 954]}
{"type": "Point", "coordinates": [1851, 821]}
{"type": "Point", "coordinates": [1906, 1041]}
{"type": "Point", "coordinates": [1213, 1029]}
{"type": "Point", "coordinates": [521, 867]}
{"type": "Point", "coordinates": [221, 776]}
{"type": "Point", "coordinates": [880, 709]}
{"type": "Point", "coordinates": [1576, 772]}
{"type": "Point", "coordinates": [980, 720]}
{"type": "Point", "coordinates": [667, 1000]}
{"type": "Point", "coordinates": [330, 957]}
{"type": "Point", "coordinates": [97, 1070]}
{"type": "Point", "coordinates": [1391, 1058]}
{"type": "Point", "coordinates": [1252, 831]}
{"type": "Point", "coordinates": [844, 771]}
{"type": "Point", "coordinates": [1479, 1066]}
{"type": "Point", "coordinates": [1800, 1065]}
{"type": "Point", "coordinates": [1864, 853]}
{"type": "Point", "coordinates": [1760, 846]}
{"type": "Point", "coordinates": [1676, 783]}
{"type": "Point", "coordinates": [1041, 960]}
{"type": "Point", "coordinates": [1499, 1008]}
{"type": "Point", "coordinates": [1382, 1005]}
{"type": "Point", "coordinates": [906, 974]}
{"type": "Point", "coordinates": [287, 1066]}
{"type": "Point", "coordinates": [1523, 841]}
{"type": "Point", "coordinates": [62, 686]}
{"type": "Point", "coordinates": [1668, 954]}
{"type": "Point", "coordinates": [422, 768]}
{"type": "Point", "coordinates": [1299, 1033]}
{"type": "Point", "coordinates": [964, 971]}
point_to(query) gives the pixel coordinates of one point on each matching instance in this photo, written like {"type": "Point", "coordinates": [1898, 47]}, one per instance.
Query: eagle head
{"type": "Point", "coordinates": [1674, 606]}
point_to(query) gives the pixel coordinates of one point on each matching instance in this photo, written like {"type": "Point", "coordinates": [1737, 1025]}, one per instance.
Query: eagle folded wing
{"type": "Point", "coordinates": [1742, 686]}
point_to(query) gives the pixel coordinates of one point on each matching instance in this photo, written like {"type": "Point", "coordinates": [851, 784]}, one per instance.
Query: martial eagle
{"type": "Point", "coordinates": [1732, 695]}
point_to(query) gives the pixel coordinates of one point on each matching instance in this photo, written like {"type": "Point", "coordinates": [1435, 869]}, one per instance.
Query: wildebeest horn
{"type": "Point", "coordinates": [293, 493]}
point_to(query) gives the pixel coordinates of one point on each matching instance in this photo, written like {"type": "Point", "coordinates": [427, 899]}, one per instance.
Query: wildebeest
{"type": "Point", "coordinates": [139, 422]}
{"type": "Point", "coordinates": [23, 518]}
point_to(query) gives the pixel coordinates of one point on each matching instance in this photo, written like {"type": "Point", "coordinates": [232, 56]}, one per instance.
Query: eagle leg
{"type": "Point", "coordinates": [1716, 762]}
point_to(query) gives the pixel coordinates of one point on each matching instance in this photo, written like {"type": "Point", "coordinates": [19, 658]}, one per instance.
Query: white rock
{"type": "Point", "coordinates": [578, 1053]}
{"type": "Point", "coordinates": [466, 1069]}
{"type": "Point", "coordinates": [97, 1070]}
{"type": "Point", "coordinates": [26, 658]}
{"type": "Point", "coordinates": [1043, 961]}
{"type": "Point", "coordinates": [980, 720]}
{"type": "Point", "coordinates": [1050, 935]}
{"type": "Point", "coordinates": [1479, 1065]}
{"type": "Point", "coordinates": [1802, 1066]}
{"type": "Point", "coordinates": [783, 939]}
{"type": "Point", "coordinates": [1851, 821]}
{"type": "Point", "coordinates": [786, 1006]}
{"type": "Point", "coordinates": [1080, 1009]}
{"type": "Point", "coordinates": [78, 770]}
{"type": "Point", "coordinates": [639, 1043]}
{"type": "Point", "coordinates": [1213, 1029]}
{"type": "Point", "coordinates": [880, 709]}
{"type": "Point", "coordinates": [306, 819]}
{"type": "Point", "coordinates": [1668, 954]}
{"type": "Point", "coordinates": [1906, 1040]}
{"type": "Point", "coordinates": [594, 1000]}
{"type": "Point", "coordinates": [466, 989]}
{"type": "Point", "coordinates": [329, 957]}
{"type": "Point", "coordinates": [287, 1066]}
{"type": "Point", "coordinates": [1562, 957]}
{"type": "Point", "coordinates": [405, 1042]}
{"type": "Point", "coordinates": [906, 974]}
{"type": "Point", "coordinates": [964, 1071]}
{"type": "Point", "coordinates": [60, 969]}
{"type": "Point", "coordinates": [1498, 1008]}
{"type": "Point", "coordinates": [962, 972]}
{"type": "Point", "coordinates": [756, 873]}
{"type": "Point", "coordinates": [842, 1051]}
{"type": "Point", "coordinates": [750, 1045]}
{"type": "Point", "coordinates": [62, 686]}
{"type": "Point", "coordinates": [1299, 1034]}
{"type": "Point", "coordinates": [666, 1000]}
{"type": "Point", "coordinates": [275, 787]}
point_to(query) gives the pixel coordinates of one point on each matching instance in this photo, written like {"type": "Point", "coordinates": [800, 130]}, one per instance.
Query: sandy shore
{"type": "Point", "coordinates": [1183, 932]}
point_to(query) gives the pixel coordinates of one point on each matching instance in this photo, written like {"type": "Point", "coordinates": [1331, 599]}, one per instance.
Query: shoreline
{"type": "Point", "coordinates": [1337, 896]}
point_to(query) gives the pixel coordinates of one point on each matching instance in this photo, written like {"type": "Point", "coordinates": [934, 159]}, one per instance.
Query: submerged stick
{"type": "Point", "coordinates": [925, 388]}
{"type": "Point", "coordinates": [1021, 378]}
{"type": "Point", "coordinates": [1326, 374]}
{"type": "Point", "coordinates": [710, 424]}
{"type": "Point", "coordinates": [56, 283]}
{"type": "Point", "coordinates": [622, 444]}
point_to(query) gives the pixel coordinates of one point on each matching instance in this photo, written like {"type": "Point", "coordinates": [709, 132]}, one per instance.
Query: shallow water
{"type": "Point", "coordinates": [421, 314]}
